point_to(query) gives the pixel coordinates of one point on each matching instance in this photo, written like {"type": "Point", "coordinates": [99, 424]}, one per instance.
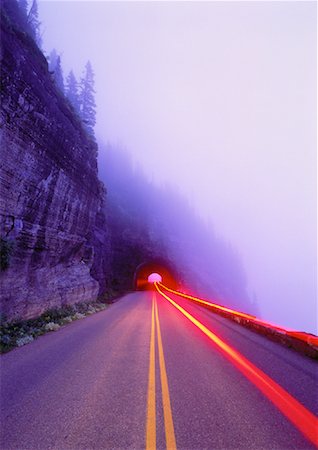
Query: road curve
{"type": "Point", "coordinates": [141, 375]}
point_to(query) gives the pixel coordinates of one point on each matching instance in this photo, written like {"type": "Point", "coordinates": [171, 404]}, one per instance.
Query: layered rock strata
{"type": "Point", "coordinates": [51, 197]}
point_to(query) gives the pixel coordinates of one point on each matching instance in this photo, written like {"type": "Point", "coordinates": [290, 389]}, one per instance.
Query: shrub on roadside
{"type": "Point", "coordinates": [52, 326]}
{"type": "Point", "coordinates": [24, 340]}
{"type": "Point", "coordinates": [78, 315]}
{"type": "Point", "coordinates": [5, 339]}
{"type": "Point", "coordinates": [67, 319]}
{"type": "Point", "coordinates": [21, 332]}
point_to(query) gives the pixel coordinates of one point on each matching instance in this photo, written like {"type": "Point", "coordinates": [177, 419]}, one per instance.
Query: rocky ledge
{"type": "Point", "coordinates": [52, 236]}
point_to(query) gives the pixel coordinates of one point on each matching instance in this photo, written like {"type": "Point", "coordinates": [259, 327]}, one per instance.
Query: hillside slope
{"type": "Point", "coordinates": [54, 244]}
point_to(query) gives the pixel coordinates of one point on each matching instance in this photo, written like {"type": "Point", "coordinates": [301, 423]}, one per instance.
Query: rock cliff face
{"type": "Point", "coordinates": [51, 199]}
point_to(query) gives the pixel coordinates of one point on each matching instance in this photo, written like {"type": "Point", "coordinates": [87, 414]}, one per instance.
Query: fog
{"type": "Point", "coordinates": [217, 99]}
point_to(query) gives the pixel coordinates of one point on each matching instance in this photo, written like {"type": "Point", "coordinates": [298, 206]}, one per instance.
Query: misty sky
{"type": "Point", "coordinates": [218, 98]}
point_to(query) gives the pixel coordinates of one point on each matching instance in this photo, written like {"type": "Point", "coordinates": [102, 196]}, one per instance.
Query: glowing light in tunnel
{"type": "Point", "coordinates": [154, 277]}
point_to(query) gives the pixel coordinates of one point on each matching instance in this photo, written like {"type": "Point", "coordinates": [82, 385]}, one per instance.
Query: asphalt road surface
{"type": "Point", "coordinates": [141, 375]}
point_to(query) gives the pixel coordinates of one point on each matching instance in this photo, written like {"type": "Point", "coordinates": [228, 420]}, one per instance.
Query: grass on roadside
{"type": "Point", "coordinates": [21, 332]}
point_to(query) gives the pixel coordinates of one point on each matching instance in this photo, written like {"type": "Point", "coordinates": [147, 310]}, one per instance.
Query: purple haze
{"type": "Point", "coordinates": [218, 98]}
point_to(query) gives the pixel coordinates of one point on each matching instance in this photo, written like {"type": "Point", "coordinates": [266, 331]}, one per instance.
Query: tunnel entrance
{"type": "Point", "coordinates": [148, 273]}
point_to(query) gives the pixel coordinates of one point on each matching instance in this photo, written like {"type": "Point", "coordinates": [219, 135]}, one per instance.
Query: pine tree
{"type": "Point", "coordinates": [22, 17]}
{"type": "Point", "coordinates": [72, 91]}
{"type": "Point", "coordinates": [87, 99]}
{"type": "Point", "coordinates": [55, 67]}
{"type": "Point", "coordinates": [23, 5]}
{"type": "Point", "coordinates": [52, 60]}
{"type": "Point", "coordinates": [34, 23]}
{"type": "Point", "coordinates": [58, 75]}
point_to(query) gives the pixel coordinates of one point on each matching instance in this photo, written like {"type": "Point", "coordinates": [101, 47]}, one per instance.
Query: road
{"type": "Point", "coordinates": [141, 375]}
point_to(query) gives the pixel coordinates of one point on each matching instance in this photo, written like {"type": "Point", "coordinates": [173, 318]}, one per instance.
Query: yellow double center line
{"type": "Point", "coordinates": [151, 401]}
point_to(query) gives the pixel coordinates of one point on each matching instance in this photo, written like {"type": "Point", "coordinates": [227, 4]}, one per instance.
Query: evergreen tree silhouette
{"type": "Point", "coordinates": [87, 99]}
{"type": "Point", "coordinates": [52, 60]}
{"type": "Point", "coordinates": [55, 67]}
{"type": "Point", "coordinates": [24, 7]}
{"type": "Point", "coordinates": [71, 91]}
{"type": "Point", "coordinates": [34, 23]}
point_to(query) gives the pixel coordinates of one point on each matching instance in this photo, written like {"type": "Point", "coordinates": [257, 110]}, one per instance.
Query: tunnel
{"type": "Point", "coordinates": [149, 272]}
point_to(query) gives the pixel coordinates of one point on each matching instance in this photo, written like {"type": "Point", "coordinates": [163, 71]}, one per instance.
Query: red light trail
{"type": "Point", "coordinates": [311, 339]}
{"type": "Point", "coordinates": [303, 419]}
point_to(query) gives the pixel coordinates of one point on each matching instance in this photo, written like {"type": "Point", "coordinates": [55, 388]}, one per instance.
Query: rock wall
{"type": "Point", "coordinates": [51, 218]}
